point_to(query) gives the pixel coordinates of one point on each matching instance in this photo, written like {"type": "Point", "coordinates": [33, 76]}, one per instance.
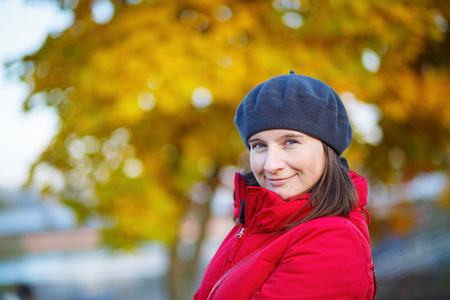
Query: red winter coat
{"type": "Point", "coordinates": [325, 258]}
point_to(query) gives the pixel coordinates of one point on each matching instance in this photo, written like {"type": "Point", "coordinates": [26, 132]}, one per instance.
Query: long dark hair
{"type": "Point", "coordinates": [334, 194]}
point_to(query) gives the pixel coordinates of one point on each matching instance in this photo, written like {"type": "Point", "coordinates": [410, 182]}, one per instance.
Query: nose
{"type": "Point", "coordinates": [274, 161]}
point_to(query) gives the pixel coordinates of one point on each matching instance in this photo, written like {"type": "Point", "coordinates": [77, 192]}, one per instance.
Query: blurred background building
{"type": "Point", "coordinates": [43, 250]}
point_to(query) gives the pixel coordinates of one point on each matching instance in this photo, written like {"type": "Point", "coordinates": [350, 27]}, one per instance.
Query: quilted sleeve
{"type": "Point", "coordinates": [331, 260]}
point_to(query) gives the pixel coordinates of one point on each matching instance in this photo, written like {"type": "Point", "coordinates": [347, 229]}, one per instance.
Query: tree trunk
{"type": "Point", "coordinates": [182, 271]}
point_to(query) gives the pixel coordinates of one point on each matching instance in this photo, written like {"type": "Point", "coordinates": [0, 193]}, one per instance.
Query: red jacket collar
{"type": "Point", "coordinates": [272, 211]}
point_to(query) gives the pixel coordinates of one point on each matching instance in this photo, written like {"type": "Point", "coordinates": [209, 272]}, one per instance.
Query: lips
{"type": "Point", "coordinates": [279, 181]}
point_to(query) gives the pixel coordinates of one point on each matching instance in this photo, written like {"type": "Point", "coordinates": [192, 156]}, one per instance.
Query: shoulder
{"type": "Point", "coordinates": [326, 226]}
{"type": "Point", "coordinates": [329, 235]}
{"type": "Point", "coordinates": [327, 256]}
{"type": "Point", "coordinates": [330, 244]}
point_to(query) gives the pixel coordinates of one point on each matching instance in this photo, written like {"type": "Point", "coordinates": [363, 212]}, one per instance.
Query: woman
{"type": "Point", "coordinates": [301, 231]}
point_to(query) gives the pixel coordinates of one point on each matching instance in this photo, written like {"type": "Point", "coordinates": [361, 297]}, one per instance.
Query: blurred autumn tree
{"type": "Point", "coordinates": [146, 99]}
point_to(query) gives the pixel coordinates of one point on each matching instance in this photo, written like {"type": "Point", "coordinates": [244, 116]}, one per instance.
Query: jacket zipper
{"type": "Point", "coordinates": [239, 243]}
{"type": "Point", "coordinates": [240, 232]}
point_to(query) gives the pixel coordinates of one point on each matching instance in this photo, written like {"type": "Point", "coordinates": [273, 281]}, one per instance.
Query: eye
{"type": "Point", "coordinates": [257, 146]}
{"type": "Point", "coordinates": [291, 142]}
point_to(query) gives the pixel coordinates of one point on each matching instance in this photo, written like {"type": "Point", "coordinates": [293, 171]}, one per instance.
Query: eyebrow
{"type": "Point", "coordinates": [289, 135]}
{"type": "Point", "coordinates": [254, 140]}
{"type": "Point", "coordinates": [298, 135]}
{"type": "Point", "coordinates": [293, 135]}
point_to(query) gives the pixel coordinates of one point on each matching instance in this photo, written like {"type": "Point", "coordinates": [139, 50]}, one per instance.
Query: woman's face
{"type": "Point", "coordinates": [286, 162]}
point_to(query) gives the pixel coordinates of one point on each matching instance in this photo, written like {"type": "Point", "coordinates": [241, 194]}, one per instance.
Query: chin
{"type": "Point", "coordinates": [288, 194]}
{"type": "Point", "coordinates": [284, 196]}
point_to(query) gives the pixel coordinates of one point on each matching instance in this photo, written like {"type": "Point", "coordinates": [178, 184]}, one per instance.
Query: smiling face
{"type": "Point", "coordinates": [286, 162]}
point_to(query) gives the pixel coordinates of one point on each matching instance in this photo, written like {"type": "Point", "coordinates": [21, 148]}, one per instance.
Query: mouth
{"type": "Point", "coordinates": [279, 181]}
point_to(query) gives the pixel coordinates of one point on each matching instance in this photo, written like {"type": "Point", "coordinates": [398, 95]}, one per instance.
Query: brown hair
{"type": "Point", "coordinates": [334, 194]}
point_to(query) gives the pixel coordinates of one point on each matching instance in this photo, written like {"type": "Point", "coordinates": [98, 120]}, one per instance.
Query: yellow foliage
{"type": "Point", "coordinates": [166, 50]}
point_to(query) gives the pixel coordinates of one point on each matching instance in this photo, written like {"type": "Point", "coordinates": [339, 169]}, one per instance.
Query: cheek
{"type": "Point", "coordinates": [319, 170]}
{"type": "Point", "coordinates": [255, 163]}
{"type": "Point", "coordinates": [319, 162]}
{"type": "Point", "coordinates": [315, 162]}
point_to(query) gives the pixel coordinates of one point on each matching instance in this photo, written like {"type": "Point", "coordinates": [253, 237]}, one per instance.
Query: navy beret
{"type": "Point", "coordinates": [295, 102]}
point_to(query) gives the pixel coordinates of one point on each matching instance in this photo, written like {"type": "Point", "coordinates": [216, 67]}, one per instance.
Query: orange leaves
{"type": "Point", "coordinates": [414, 96]}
